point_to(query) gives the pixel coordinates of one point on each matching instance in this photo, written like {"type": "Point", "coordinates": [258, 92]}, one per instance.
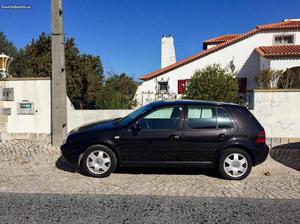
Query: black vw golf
{"type": "Point", "coordinates": [179, 133]}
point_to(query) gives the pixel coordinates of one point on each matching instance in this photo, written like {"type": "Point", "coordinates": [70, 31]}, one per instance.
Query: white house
{"type": "Point", "coordinates": [270, 46]}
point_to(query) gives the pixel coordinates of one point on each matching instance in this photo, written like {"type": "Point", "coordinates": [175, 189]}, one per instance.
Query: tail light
{"type": "Point", "coordinates": [261, 139]}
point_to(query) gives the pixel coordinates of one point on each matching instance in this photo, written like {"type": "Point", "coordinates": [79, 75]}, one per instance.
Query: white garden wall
{"type": "Point", "coordinates": [36, 91]}
{"type": "Point", "coordinates": [279, 112]}
{"type": "Point", "coordinates": [77, 118]}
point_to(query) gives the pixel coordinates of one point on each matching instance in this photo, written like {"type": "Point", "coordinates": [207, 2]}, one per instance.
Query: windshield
{"type": "Point", "coordinates": [133, 115]}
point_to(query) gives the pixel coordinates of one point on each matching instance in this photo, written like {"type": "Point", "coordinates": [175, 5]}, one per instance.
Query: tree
{"type": "Point", "coordinates": [268, 78]}
{"type": "Point", "coordinates": [91, 73]}
{"type": "Point", "coordinates": [117, 93]}
{"type": "Point", "coordinates": [214, 84]}
{"type": "Point", "coordinates": [84, 73]}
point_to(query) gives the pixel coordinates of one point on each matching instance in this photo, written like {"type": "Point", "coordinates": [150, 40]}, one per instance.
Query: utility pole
{"type": "Point", "coordinates": [58, 80]}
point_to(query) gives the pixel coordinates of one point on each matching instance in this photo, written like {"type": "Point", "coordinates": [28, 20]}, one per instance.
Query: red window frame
{"type": "Point", "coordinates": [181, 84]}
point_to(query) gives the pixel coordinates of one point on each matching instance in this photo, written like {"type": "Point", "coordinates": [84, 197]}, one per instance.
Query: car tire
{"type": "Point", "coordinates": [234, 164]}
{"type": "Point", "coordinates": [98, 161]}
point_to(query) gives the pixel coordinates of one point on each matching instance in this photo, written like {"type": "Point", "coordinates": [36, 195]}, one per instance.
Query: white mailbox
{"type": "Point", "coordinates": [25, 108]}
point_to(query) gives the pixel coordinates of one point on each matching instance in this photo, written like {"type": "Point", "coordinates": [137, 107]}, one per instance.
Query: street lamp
{"type": "Point", "coordinates": [4, 64]}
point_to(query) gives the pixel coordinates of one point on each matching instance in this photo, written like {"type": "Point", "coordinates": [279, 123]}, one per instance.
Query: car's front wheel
{"type": "Point", "coordinates": [234, 164]}
{"type": "Point", "coordinates": [98, 161]}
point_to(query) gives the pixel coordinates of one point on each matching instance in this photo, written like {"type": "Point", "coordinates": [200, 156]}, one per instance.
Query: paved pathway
{"type": "Point", "coordinates": [35, 167]}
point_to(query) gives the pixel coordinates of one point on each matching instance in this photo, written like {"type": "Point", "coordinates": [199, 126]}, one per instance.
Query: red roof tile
{"type": "Point", "coordinates": [286, 25]}
{"type": "Point", "coordinates": [221, 39]}
{"type": "Point", "coordinates": [281, 25]}
{"type": "Point", "coordinates": [279, 51]}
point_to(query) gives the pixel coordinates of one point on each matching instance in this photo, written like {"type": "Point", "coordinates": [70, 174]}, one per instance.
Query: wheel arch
{"type": "Point", "coordinates": [239, 146]}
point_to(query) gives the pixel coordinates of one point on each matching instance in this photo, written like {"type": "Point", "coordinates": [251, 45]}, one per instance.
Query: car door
{"type": "Point", "coordinates": [153, 138]}
{"type": "Point", "coordinates": [203, 132]}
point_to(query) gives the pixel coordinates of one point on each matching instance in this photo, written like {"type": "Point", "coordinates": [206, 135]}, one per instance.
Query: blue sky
{"type": "Point", "coordinates": [127, 34]}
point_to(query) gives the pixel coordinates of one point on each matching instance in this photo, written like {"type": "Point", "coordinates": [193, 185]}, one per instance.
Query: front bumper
{"type": "Point", "coordinates": [261, 154]}
{"type": "Point", "coordinates": [69, 154]}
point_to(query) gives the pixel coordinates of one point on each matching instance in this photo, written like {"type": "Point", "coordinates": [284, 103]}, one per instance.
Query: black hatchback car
{"type": "Point", "coordinates": [180, 133]}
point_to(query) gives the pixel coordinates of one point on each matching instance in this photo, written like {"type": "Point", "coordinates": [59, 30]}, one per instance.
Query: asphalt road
{"type": "Point", "coordinates": [59, 208]}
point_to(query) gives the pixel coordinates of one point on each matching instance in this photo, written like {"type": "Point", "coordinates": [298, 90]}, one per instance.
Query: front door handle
{"type": "Point", "coordinates": [174, 137]}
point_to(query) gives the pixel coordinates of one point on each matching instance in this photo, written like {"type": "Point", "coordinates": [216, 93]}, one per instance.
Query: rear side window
{"type": "Point", "coordinates": [224, 120]}
{"type": "Point", "coordinates": [201, 117]}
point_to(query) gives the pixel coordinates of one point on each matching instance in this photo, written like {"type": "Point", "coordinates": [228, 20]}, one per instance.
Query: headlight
{"type": "Point", "coordinates": [65, 139]}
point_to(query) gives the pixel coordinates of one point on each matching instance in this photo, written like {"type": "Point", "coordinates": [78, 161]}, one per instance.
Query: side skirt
{"type": "Point", "coordinates": [205, 164]}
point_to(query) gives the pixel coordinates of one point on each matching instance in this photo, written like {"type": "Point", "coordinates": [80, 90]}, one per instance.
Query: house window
{"type": "Point", "coordinates": [283, 39]}
{"type": "Point", "coordinates": [182, 84]}
{"type": "Point", "coordinates": [163, 86]}
{"type": "Point", "coordinates": [242, 85]}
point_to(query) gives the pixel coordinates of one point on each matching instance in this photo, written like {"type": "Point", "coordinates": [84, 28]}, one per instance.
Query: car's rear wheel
{"type": "Point", "coordinates": [98, 161]}
{"type": "Point", "coordinates": [234, 164]}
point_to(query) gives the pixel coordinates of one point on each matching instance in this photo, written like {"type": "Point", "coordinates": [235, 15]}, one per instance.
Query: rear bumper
{"type": "Point", "coordinates": [261, 154]}
{"type": "Point", "coordinates": [68, 154]}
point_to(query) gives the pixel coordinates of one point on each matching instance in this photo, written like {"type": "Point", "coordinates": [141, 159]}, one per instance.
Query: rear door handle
{"type": "Point", "coordinates": [222, 136]}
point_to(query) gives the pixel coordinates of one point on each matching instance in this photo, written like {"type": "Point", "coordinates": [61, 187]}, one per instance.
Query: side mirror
{"type": "Point", "coordinates": [136, 127]}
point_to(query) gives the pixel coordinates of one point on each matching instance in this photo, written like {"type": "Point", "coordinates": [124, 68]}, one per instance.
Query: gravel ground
{"type": "Point", "coordinates": [58, 208]}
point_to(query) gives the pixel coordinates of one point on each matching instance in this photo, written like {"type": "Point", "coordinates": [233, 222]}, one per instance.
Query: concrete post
{"type": "Point", "coordinates": [58, 80]}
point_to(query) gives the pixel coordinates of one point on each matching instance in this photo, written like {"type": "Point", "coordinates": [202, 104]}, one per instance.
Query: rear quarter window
{"type": "Point", "coordinates": [224, 119]}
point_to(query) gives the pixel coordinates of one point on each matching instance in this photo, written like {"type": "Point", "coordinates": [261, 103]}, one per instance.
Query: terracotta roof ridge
{"type": "Point", "coordinates": [279, 50]}
{"type": "Point", "coordinates": [219, 38]}
{"type": "Point", "coordinates": [196, 56]}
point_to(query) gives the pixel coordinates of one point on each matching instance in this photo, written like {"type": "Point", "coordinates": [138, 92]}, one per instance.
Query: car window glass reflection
{"type": "Point", "coordinates": [165, 118]}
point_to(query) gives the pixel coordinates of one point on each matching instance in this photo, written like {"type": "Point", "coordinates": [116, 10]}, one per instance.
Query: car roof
{"type": "Point", "coordinates": [190, 102]}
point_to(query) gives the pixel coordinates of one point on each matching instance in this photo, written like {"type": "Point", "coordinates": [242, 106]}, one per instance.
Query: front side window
{"type": "Point", "coordinates": [224, 120]}
{"type": "Point", "coordinates": [201, 117]}
{"type": "Point", "coordinates": [164, 118]}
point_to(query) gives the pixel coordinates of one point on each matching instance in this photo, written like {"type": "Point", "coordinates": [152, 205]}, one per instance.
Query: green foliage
{"type": "Point", "coordinates": [91, 74]}
{"type": "Point", "coordinates": [214, 84]}
{"type": "Point", "coordinates": [84, 73]}
{"type": "Point", "coordinates": [117, 92]}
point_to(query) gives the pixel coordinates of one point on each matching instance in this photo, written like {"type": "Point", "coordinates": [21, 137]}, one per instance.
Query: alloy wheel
{"type": "Point", "coordinates": [98, 162]}
{"type": "Point", "coordinates": [235, 165]}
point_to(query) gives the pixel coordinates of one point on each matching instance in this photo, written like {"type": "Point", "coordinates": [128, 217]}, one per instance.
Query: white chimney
{"type": "Point", "coordinates": [167, 51]}
{"type": "Point", "coordinates": [286, 20]}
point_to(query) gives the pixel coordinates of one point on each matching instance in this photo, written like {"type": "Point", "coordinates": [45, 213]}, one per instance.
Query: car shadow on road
{"type": "Point", "coordinates": [168, 171]}
{"type": "Point", "coordinates": [287, 154]}
{"type": "Point", "coordinates": [62, 164]}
